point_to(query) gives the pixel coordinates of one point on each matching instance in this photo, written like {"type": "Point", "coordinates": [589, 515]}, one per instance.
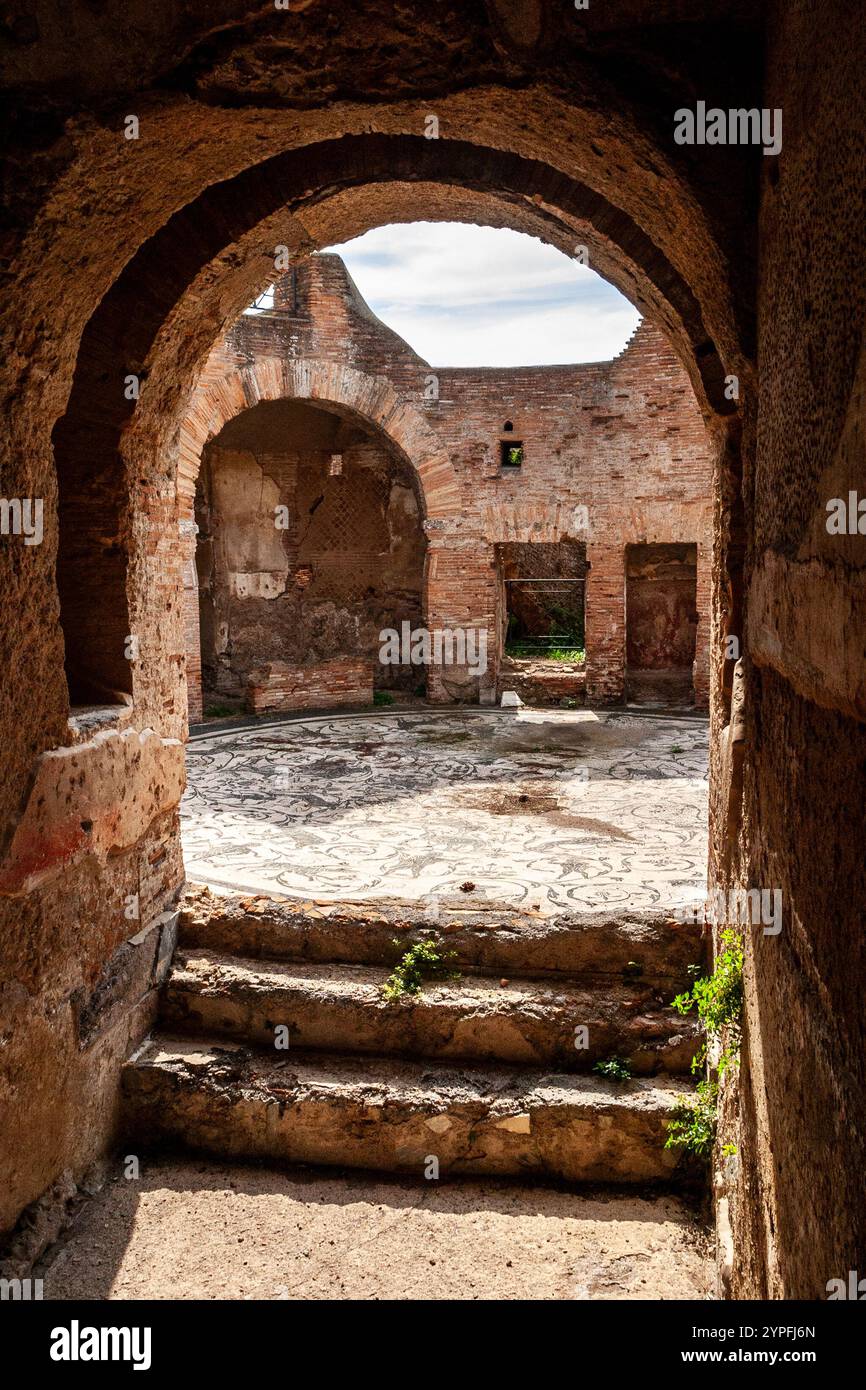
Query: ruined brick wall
{"type": "Point", "coordinates": [312, 685]}
{"type": "Point", "coordinates": [309, 546]}
{"type": "Point", "coordinates": [623, 439]}
{"type": "Point", "coordinates": [614, 454]}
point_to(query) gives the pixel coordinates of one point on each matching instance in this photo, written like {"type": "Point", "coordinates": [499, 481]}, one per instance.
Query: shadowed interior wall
{"type": "Point", "coordinates": [92, 561]}
{"type": "Point", "coordinates": [347, 563]}
{"type": "Point", "coordinates": [795, 1191]}
{"type": "Point", "coordinates": [661, 619]}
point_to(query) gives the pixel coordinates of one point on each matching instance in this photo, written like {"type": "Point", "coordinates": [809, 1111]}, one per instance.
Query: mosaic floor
{"type": "Point", "coordinates": [542, 808]}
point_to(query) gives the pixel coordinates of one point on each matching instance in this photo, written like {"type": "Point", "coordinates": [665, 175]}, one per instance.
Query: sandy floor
{"type": "Point", "coordinates": [191, 1229]}
{"type": "Point", "coordinates": [549, 809]}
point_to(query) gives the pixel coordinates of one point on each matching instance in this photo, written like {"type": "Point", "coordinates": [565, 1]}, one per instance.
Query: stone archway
{"type": "Point", "coordinates": [154, 297]}
{"type": "Point", "coordinates": [329, 383]}
{"type": "Point", "coordinates": [337, 189]}
{"type": "Point", "coordinates": [162, 316]}
{"type": "Point", "coordinates": [370, 399]}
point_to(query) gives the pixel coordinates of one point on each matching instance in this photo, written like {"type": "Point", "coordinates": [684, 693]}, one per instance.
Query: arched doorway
{"type": "Point", "coordinates": [309, 543]}
{"type": "Point", "coordinates": [190, 279]}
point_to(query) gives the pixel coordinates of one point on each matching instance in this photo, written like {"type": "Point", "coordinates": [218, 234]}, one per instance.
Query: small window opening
{"type": "Point", "coordinates": [507, 427]}
{"type": "Point", "coordinates": [510, 455]}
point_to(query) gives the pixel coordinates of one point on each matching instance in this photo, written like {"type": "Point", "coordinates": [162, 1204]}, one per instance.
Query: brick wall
{"type": "Point", "coordinates": [614, 454]}
{"type": "Point", "coordinates": [317, 685]}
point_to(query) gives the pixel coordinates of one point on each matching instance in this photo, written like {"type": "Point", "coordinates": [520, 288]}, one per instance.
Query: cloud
{"type": "Point", "coordinates": [466, 296]}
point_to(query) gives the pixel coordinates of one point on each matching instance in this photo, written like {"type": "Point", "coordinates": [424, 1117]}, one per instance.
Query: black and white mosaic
{"type": "Point", "coordinates": [549, 808]}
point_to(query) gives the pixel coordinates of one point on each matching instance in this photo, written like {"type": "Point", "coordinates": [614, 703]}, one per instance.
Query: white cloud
{"type": "Point", "coordinates": [466, 296]}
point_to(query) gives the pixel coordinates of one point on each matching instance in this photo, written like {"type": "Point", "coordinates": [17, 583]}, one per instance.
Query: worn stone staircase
{"type": "Point", "coordinates": [485, 1074]}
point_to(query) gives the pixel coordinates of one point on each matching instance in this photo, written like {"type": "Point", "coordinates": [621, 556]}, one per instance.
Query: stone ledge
{"type": "Point", "coordinates": [96, 798]}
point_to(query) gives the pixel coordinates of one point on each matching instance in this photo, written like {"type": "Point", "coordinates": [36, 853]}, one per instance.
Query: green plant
{"type": "Point", "coordinates": [693, 1123]}
{"type": "Point", "coordinates": [614, 1069]}
{"type": "Point", "coordinates": [219, 711]}
{"type": "Point", "coordinates": [421, 962]}
{"type": "Point", "coordinates": [534, 648]}
{"type": "Point", "coordinates": [565, 654]}
{"type": "Point", "coordinates": [382, 697]}
{"type": "Point", "coordinates": [718, 999]}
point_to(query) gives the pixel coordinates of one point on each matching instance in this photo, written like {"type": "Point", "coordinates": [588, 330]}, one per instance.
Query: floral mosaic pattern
{"type": "Point", "coordinates": [549, 809]}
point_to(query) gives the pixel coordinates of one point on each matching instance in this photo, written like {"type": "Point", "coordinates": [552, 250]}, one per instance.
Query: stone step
{"type": "Point", "coordinates": [475, 1018]}
{"type": "Point", "coordinates": [650, 947]}
{"type": "Point", "coordinates": [397, 1116]}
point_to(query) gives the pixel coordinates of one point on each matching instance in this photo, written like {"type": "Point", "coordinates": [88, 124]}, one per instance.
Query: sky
{"type": "Point", "coordinates": [466, 296]}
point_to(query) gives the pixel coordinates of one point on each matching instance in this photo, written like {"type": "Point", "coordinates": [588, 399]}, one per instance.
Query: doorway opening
{"type": "Point", "coordinates": [661, 623]}
{"type": "Point", "coordinates": [309, 544]}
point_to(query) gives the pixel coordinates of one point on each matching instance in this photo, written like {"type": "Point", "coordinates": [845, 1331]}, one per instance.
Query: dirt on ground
{"type": "Point", "coordinates": [188, 1229]}
{"type": "Point", "coordinates": [532, 801]}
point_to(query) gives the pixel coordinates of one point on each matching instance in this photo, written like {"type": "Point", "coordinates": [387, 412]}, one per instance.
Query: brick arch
{"type": "Point", "coordinates": [372, 398]}
{"type": "Point", "coordinates": [193, 276]}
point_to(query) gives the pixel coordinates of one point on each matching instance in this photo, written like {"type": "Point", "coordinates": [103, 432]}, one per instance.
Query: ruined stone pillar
{"type": "Point", "coordinates": [191, 633]}
{"type": "Point", "coordinates": [703, 603]}
{"type": "Point", "coordinates": [460, 594]}
{"type": "Point", "coordinates": [605, 624]}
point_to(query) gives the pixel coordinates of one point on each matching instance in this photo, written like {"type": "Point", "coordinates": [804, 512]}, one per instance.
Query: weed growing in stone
{"type": "Point", "coordinates": [528, 650]}
{"type": "Point", "coordinates": [614, 1069]}
{"type": "Point", "coordinates": [423, 961]}
{"type": "Point", "coordinates": [719, 1002]}
{"type": "Point", "coordinates": [718, 999]}
{"type": "Point", "coordinates": [693, 1124]}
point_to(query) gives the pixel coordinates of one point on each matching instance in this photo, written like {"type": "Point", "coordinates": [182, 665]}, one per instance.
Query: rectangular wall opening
{"type": "Point", "coordinates": [542, 623]}
{"type": "Point", "coordinates": [661, 623]}
{"type": "Point", "coordinates": [510, 455]}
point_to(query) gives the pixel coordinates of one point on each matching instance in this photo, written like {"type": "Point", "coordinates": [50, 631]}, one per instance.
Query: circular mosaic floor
{"type": "Point", "coordinates": [549, 809]}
